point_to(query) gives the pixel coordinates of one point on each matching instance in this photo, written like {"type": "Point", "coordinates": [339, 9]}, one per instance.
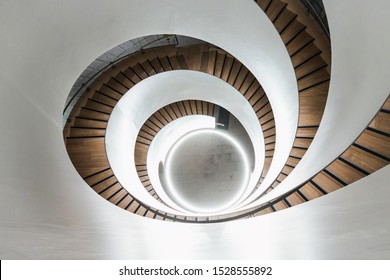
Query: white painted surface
{"type": "Point", "coordinates": [47, 211]}
{"type": "Point", "coordinates": [359, 84]}
{"type": "Point", "coordinates": [340, 225]}
{"type": "Point", "coordinates": [130, 113]}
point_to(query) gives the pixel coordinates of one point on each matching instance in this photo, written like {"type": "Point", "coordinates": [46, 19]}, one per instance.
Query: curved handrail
{"type": "Point", "coordinates": [170, 40]}
{"type": "Point", "coordinates": [317, 10]}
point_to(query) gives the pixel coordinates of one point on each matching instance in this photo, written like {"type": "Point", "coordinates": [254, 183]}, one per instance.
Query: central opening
{"type": "Point", "coordinates": [206, 171]}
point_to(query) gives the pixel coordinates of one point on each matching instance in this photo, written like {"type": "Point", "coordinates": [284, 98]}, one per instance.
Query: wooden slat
{"type": "Point", "coordinates": [299, 42]}
{"type": "Point", "coordinates": [295, 199]}
{"type": "Point", "coordinates": [268, 125]}
{"type": "Point", "coordinates": [88, 155]}
{"type": "Point", "coordinates": [85, 113]}
{"type": "Point", "coordinates": [292, 161]}
{"type": "Point", "coordinates": [92, 104]}
{"type": "Point", "coordinates": [247, 83]}
{"type": "Point", "coordinates": [152, 126]}
{"type": "Point", "coordinates": [142, 141]}
{"type": "Point", "coordinates": [111, 191]}
{"type": "Point", "coordinates": [199, 106]}
{"type": "Point", "coordinates": [256, 96]}
{"type": "Point", "coordinates": [381, 122]}
{"type": "Point", "coordinates": [110, 92]}
{"type": "Point", "coordinates": [157, 121]}
{"type": "Point", "coordinates": [263, 4]}
{"type": "Point", "coordinates": [174, 62]}
{"type": "Point", "coordinates": [211, 63]}
{"type": "Point", "coordinates": [161, 117]}
{"type": "Point", "coordinates": [261, 103]}
{"type": "Point", "coordinates": [287, 169]}
{"type": "Point", "coordinates": [303, 143]}
{"type": "Point", "coordinates": [140, 72]}
{"type": "Point", "coordinates": [227, 68]}
{"type": "Point", "coordinates": [140, 153]}
{"type": "Point", "coordinates": [375, 142]}
{"type": "Point", "coordinates": [267, 117]}
{"type": "Point", "coordinates": [304, 54]}
{"type": "Point", "coordinates": [80, 122]}
{"type": "Point", "coordinates": [125, 201]}
{"type": "Point", "coordinates": [236, 67]}
{"type": "Point", "coordinates": [148, 68]}
{"type": "Point", "coordinates": [283, 20]}
{"type": "Point", "coordinates": [219, 64]}
{"type": "Point", "coordinates": [211, 109]}
{"type": "Point", "coordinates": [311, 107]}
{"type": "Point", "coordinates": [187, 107]}
{"type": "Point", "coordinates": [204, 62]}
{"type": "Point", "coordinates": [182, 109]}
{"type": "Point", "coordinates": [165, 63]}
{"type": "Point", "coordinates": [326, 182]}
{"type": "Point", "coordinates": [274, 9]}
{"type": "Point", "coordinates": [193, 107]}
{"type": "Point", "coordinates": [310, 191]}
{"type": "Point", "coordinates": [114, 84]}
{"type": "Point", "coordinates": [363, 159]}
{"type": "Point", "coordinates": [307, 131]}
{"type": "Point", "coordinates": [92, 180]}
{"type": "Point", "coordinates": [297, 152]}
{"type": "Point", "coordinates": [291, 31]}
{"type": "Point", "coordinates": [241, 77]}
{"type": "Point", "coordinates": [155, 63]}
{"type": "Point", "coordinates": [311, 65]}
{"type": "Point", "coordinates": [176, 109]}
{"type": "Point", "coordinates": [344, 172]}
{"type": "Point", "coordinates": [314, 78]}
{"type": "Point", "coordinates": [86, 132]}
{"type": "Point", "coordinates": [171, 113]}
{"type": "Point", "coordinates": [280, 205]}
{"type": "Point", "coordinates": [269, 132]}
{"type": "Point", "coordinates": [122, 78]}
{"type": "Point", "coordinates": [386, 106]}
{"type": "Point", "coordinates": [117, 197]}
{"type": "Point", "coordinates": [145, 135]}
{"type": "Point", "coordinates": [267, 108]}
{"type": "Point", "coordinates": [106, 184]}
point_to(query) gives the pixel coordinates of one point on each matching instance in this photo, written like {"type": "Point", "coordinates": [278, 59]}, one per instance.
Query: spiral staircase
{"type": "Point", "coordinates": [86, 126]}
{"type": "Point", "coordinates": [310, 147]}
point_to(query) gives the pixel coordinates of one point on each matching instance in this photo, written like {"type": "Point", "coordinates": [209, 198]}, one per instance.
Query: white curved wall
{"type": "Point", "coordinates": [359, 84]}
{"type": "Point", "coordinates": [157, 91]}
{"type": "Point", "coordinates": [48, 211]}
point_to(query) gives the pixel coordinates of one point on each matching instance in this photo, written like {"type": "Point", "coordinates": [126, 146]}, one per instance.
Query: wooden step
{"type": "Point", "coordinates": [381, 122]}
{"type": "Point", "coordinates": [344, 172]}
{"type": "Point", "coordinates": [83, 132]}
{"type": "Point", "coordinates": [284, 19]}
{"type": "Point", "coordinates": [310, 191]}
{"type": "Point", "coordinates": [88, 123]}
{"type": "Point", "coordinates": [363, 159]}
{"type": "Point", "coordinates": [299, 42]}
{"type": "Point", "coordinates": [102, 98]}
{"type": "Point", "coordinates": [99, 177]}
{"type": "Point", "coordinates": [375, 142]}
{"type": "Point", "coordinates": [326, 182]}
{"type": "Point", "coordinates": [98, 106]}
{"type": "Point", "coordinates": [310, 66]}
{"type": "Point", "coordinates": [274, 9]}
{"type": "Point", "coordinates": [291, 31]}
